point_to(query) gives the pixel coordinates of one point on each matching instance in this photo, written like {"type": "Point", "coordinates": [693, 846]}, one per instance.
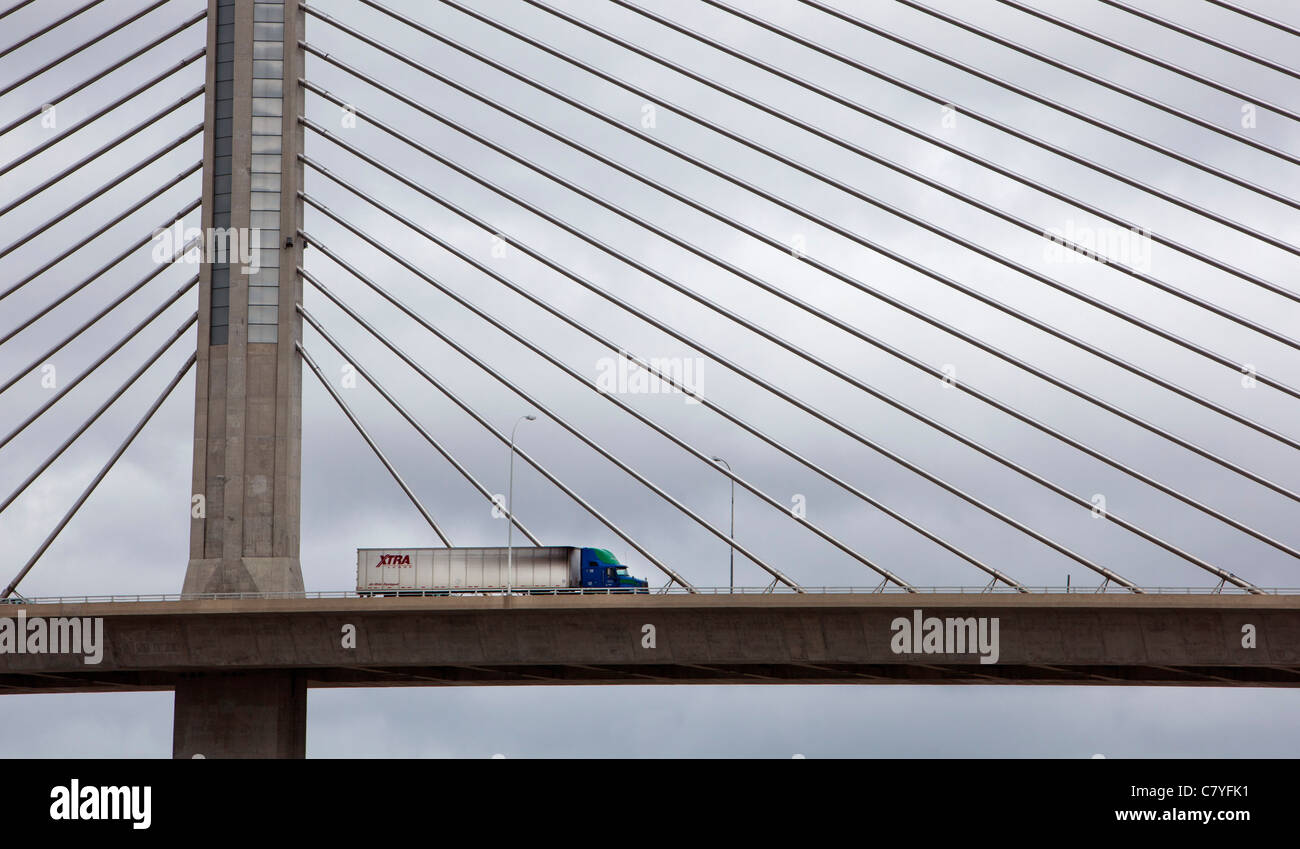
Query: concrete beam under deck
{"type": "Point", "coordinates": [1044, 639]}
{"type": "Point", "coordinates": [241, 668]}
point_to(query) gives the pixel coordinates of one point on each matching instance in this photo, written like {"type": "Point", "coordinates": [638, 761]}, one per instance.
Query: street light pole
{"type": "Point", "coordinates": [510, 509]}
{"type": "Point", "coordinates": [731, 587]}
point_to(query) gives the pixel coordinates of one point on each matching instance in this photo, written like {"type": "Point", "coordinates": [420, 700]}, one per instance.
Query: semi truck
{"type": "Point", "coordinates": [440, 571]}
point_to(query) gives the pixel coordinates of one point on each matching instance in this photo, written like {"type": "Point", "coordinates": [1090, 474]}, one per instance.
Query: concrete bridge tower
{"type": "Point", "coordinates": [244, 533]}
{"type": "Point", "coordinates": [247, 411]}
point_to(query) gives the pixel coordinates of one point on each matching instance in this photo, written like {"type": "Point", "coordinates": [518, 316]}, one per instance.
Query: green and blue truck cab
{"type": "Point", "coordinates": [601, 570]}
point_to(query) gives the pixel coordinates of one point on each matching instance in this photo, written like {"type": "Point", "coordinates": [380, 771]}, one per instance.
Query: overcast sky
{"type": "Point", "coordinates": [132, 536]}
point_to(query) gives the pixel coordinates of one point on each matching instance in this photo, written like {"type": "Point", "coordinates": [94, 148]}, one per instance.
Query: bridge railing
{"type": "Point", "coordinates": [599, 591]}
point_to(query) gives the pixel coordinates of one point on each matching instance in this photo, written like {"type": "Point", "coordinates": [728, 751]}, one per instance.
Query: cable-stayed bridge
{"type": "Point", "coordinates": [986, 313]}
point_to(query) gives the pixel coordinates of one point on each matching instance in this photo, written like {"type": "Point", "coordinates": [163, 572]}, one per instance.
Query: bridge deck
{"type": "Point", "coordinates": [1215, 640]}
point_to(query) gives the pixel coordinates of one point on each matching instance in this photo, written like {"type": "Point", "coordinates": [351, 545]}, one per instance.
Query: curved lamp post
{"type": "Point", "coordinates": [731, 587]}
{"type": "Point", "coordinates": [510, 509]}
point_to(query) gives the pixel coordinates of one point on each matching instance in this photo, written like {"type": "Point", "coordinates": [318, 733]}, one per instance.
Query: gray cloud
{"type": "Point", "coordinates": [146, 496]}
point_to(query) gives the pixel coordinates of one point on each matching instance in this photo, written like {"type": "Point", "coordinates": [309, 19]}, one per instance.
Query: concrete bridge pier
{"type": "Point", "coordinates": [248, 392]}
{"type": "Point", "coordinates": [260, 714]}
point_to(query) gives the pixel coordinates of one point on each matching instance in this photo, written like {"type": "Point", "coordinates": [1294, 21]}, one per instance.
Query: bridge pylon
{"type": "Point", "coordinates": [245, 525]}
{"type": "Point", "coordinates": [244, 532]}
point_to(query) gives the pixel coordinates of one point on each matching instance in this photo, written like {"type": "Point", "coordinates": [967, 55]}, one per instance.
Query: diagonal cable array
{"type": "Point", "coordinates": [162, 76]}
{"type": "Point", "coordinates": [347, 411]}
{"type": "Point", "coordinates": [930, 370]}
{"type": "Point", "coordinates": [406, 414]}
{"type": "Point", "coordinates": [467, 408]}
{"type": "Point", "coordinates": [652, 369]}
{"type": "Point", "coordinates": [934, 184]}
{"type": "Point", "coordinates": [50, 27]}
{"type": "Point", "coordinates": [1202, 37]}
{"type": "Point", "coordinates": [1030, 94]}
{"type": "Point", "coordinates": [125, 60]}
{"type": "Point", "coordinates": [367, 174]}
{"type": "Point", "coordinates": [1120, 46]}
{"type": "Point", "coordinates": [1257, 16]}
{"type": "Point", "coordinates": [88, 198]}
{"type": "Point", "coordinates": [969, 243]}
{"type": "Point", "coordinates": [577, 432]}
{"type": "Point", "coordinates": [99, 477]}
{"type": "Point", "coordinates": [362, 191]}
{"type": "Point", "coordinates": [1122, 89]}
{"type": "Point", "coordinates": [699, 346]}
{"type": "Point", "coordinates": [14, 8]}
{"type": "Point", "coordinates": [997, 575]}
{"type": "Point", "coordinates": [52, 286]}
{"type": "Point", "coordinates": [830, 225]}
{"type": "Point", "coordinates": [1010, 130]}
{"type": "Point", "coordinates": [945, 280]}
{"type": "Point", "coordinates": [122, 24]}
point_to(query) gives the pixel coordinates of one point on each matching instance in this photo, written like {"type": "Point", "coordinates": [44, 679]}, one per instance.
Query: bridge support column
{"type": "Point", "coordinates": [240, 715]}
{"type": "Point", "coordinates": [244, 531]}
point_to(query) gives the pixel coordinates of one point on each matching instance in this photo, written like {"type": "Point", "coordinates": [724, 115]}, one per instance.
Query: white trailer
{"type": "Point", "coordinates": [386, 570]}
